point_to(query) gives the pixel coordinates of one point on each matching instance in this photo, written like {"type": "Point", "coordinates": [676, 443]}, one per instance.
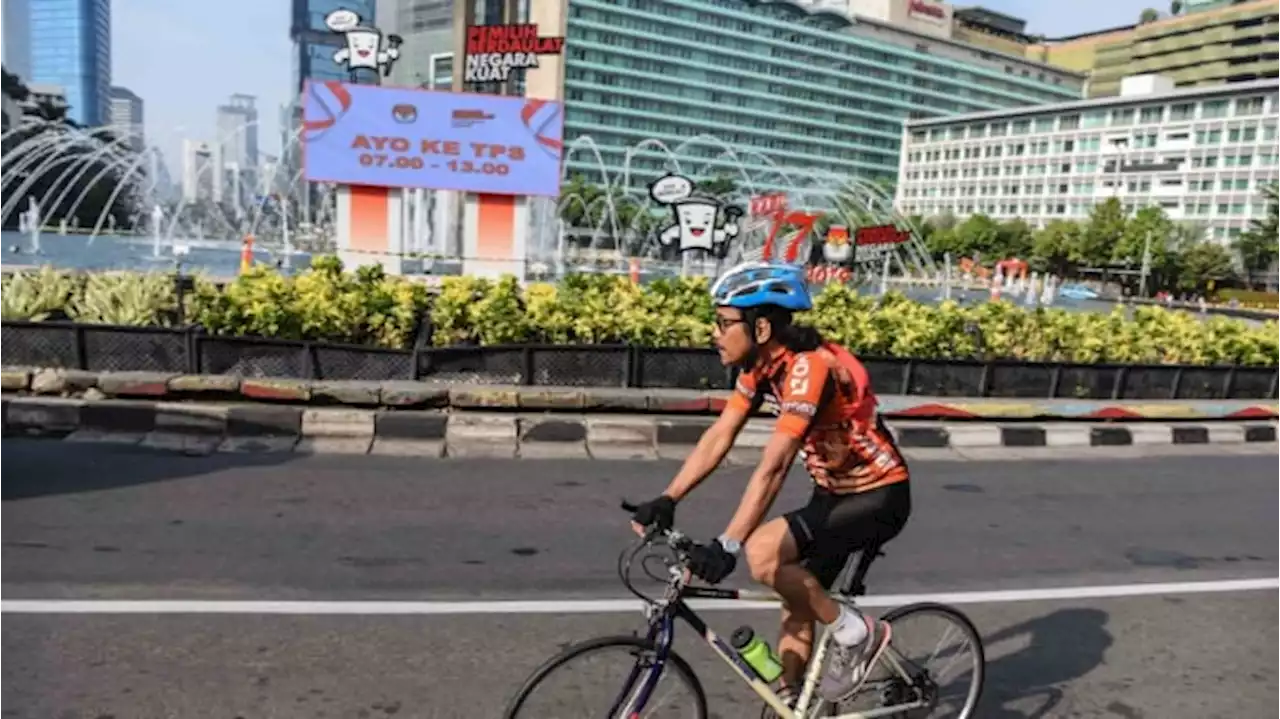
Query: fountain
{"type": "Point", "coordinates": [157, 216]}
{"type": "Point", "coordinates": [62, 171]}
{"type": "Point", "coordinates": [30, 221]}
{"type": "Point", "coordinates": [619, 223]}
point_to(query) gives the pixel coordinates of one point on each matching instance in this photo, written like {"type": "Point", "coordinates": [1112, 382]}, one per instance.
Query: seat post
{"type": "Point", "coordinates": [853, 585]}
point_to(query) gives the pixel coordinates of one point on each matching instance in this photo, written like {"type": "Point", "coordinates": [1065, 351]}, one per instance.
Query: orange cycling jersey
{"type": "Point", "coordinates": [824, 397]}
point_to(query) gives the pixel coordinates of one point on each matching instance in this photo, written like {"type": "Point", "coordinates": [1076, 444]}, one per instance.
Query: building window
{"type": "Point", "coordinates": [1095, 118]}
{"type": "Point", "coordinates": [1249, 106]}
{"type": "Point", "coordinates": [1044, 124]}
{"type": "Point", "coordinates": [1184, 111]}
{"type": "Point", "coordinates": [1213, 110]}
{"type": "Point", "coordinates": [1151, 114]}
{"type": "Point", "coordinates": [1122, 117]}
{"type": "Point", "coordinates": [1069, 122]}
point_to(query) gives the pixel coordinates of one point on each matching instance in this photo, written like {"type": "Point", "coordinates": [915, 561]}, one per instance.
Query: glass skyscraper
{"type": "Point", "coordinates": [71, 48]}
{"type": "Point", "coordinates": [785, 89]}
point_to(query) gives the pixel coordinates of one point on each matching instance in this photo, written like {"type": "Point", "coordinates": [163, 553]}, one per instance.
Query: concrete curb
{"type": "Point", "coordinates": [201, 428]}
{"type": "Point", "coordinates": [406, 395]}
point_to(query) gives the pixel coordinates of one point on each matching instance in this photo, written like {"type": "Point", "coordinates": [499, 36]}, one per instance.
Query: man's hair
{"type": "Point", "coordinates": [796, 338]}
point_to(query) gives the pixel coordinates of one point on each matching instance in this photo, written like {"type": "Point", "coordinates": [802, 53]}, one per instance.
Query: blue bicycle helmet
{"type": "Point", "coordinates": [756, 284]}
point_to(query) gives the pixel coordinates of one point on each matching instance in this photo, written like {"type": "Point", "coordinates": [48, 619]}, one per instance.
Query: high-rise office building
{"type": "Point", "coordinates": [426, 58]}
{"type": "Point", "coordinates": [17, 38]}
{"type": "Point", "coordinates": [812, 92]}
{"type": "Point", "coordinates": [238, 131]}
{"type": "Point", "coordinates": [1208, 43]}
{"type": "Point", "coordinates": [237, 141]}
{"type": "Point", "coordinates": [201, 170]}
{"type": "Point", "coordinates": [127, 116]}
{"type": "Point", "coordinates": [71, 48]}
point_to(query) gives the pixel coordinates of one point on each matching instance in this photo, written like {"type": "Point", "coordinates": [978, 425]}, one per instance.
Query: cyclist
{"type": "Point", "coordinates": [826, 410]}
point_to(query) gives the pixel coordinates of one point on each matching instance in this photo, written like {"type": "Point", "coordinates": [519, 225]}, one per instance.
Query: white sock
{"type": "Point", "coordinates": [850, 628]}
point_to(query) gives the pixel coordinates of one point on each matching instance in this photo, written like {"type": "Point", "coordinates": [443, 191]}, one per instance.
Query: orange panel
{"type": "Point", "coordinates": [369, 218]}
{"type": "Point", "coordinates": [495, 226]}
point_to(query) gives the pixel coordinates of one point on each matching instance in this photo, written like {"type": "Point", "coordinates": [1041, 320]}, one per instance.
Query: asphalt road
{"type": "Point", "coordinates": [94, 522]}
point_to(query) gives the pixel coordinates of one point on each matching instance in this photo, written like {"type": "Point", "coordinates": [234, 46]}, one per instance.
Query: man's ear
{"type": "Point", "coordinates": [763, 330]}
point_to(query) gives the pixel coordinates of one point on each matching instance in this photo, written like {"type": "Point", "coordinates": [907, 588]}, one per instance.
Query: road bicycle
{"type": "Point", "coordinates": [897, 686]}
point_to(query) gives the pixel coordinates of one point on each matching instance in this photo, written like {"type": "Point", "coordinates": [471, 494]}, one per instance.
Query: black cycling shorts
{"type": "Point", "coordinates": [831, 527]}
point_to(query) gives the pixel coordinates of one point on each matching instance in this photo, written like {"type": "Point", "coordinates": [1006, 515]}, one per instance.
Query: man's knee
{"type": "Point", "coordinates": [763, 561]}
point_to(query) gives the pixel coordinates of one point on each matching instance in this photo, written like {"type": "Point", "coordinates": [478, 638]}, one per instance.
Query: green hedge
{"type": "Point", "coordinates": [678, 313]}
{"type": "Point", "coordinates": [326, 303]}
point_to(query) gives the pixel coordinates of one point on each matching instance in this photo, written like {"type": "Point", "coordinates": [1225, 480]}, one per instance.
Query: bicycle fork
{"type": "Point", "coordinates": [634, 696]}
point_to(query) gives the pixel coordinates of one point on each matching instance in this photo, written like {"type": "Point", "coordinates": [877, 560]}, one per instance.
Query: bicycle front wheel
{"type": "Point", "coordinates": [591, 678]}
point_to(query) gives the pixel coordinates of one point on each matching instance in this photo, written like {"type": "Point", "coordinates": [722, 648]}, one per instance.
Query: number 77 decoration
{"type": "Point", "coordinates": [781, 217]}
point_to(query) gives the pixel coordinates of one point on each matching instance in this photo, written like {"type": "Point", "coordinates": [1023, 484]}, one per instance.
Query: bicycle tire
{"type": "Point", "coordinates": [573, 651]}
{"type": "Point", "coordinates": [955, 615]}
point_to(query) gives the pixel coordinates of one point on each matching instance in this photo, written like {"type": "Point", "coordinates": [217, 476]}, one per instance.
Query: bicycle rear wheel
{"type": "Point", "coordinates": [608, 671]}
{"type": "Point", "coordinates": [952, 683]}
{"type": "Point", "coordinates": [930, 644]}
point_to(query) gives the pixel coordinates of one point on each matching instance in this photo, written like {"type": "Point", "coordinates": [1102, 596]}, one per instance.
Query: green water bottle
{"type": "Point", "coordinates": [757, 653]}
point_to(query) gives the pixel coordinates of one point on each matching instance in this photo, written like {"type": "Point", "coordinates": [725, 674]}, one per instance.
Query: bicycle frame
{"type": "Point", "coordinates": [662, 632]}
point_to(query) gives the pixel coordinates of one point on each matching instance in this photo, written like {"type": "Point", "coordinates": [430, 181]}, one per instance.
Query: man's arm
{"type": "Point", "coordinates": [710, 450]}
{"type": "Point", "coordinates": [764, 485]}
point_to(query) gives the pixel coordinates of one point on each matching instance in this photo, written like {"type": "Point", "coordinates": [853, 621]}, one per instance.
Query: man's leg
{"type": "Point", "coordinates": [795, 646]}
{"type": "Point", "coordinates": [774, 560]}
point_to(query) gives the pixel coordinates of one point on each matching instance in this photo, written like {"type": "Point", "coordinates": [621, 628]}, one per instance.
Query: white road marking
{"type": "Point", "coordinates": [595, 606]}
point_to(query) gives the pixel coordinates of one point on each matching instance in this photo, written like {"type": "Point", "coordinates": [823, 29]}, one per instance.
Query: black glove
{"type": "Point", "coordinates": [711, 562]}
{"type": "Point", "coordinates": [660, 512]}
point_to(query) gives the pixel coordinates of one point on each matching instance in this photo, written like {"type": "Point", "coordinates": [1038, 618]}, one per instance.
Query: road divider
{"type": "Point", "coordinates": [601, 401]}
{"type": "Point", "coordinates": [204, 427]}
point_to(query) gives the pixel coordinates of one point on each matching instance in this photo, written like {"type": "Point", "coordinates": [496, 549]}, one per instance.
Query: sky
{"type": "Point", "coordinates": [186, 57]}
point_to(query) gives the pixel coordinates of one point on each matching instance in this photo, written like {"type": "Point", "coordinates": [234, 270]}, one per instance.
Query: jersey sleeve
{"type": "Point", "coordinates": [803, 389]}
{"type": "Point", "coordinates": [744, 392]}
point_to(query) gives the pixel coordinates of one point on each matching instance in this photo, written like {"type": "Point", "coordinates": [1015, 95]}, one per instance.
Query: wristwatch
{"type": "Point", "coordinates": [732, 546]}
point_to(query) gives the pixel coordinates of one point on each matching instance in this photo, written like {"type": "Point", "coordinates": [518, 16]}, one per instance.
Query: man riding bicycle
{"type": "Point", "coordinates": [861, 495]}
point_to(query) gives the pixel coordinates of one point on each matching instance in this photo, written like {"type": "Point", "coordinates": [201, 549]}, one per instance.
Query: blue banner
{"type": "Point", "coordinates": [398, 137]}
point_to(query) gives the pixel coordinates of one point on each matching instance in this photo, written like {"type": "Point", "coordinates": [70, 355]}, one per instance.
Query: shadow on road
{"type": "Point", "coordinates": [44, 467]}
{"type": "Point", "coordinates": [1055, 649]}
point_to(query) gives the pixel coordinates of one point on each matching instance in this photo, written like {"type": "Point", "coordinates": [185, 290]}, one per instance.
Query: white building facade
{"type": "Point", "coordinates": [201, 163]}
{"type": "Point", "coordinates": [1202, 154]}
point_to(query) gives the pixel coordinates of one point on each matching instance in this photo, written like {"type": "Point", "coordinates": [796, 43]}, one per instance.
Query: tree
{"type": "Point", "coordinates": [719, 187]}
{"type": "Point", "coordinates": [1201, 263]}
{"type": "Point", "coordinates": [1015, 238]}
{"type": "Point", "coordinates": [1175, 7]}
{"type": "Point", "coordinates": [1054, 247]}
{"type": "Point", "coordinates": [1148, 15]}
{"type": "Point", "coordinates": [1148, 223]}
{"type": "Point", "coordinates": [1257, 246]}
{"type": "Point", "coordinates": [13, 86]}
{"type": "Point", "coordinates": [1103, 230]}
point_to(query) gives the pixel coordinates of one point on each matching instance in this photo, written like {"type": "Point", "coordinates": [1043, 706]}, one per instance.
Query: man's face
{"type": "Point", "coordinates": [730, 332]}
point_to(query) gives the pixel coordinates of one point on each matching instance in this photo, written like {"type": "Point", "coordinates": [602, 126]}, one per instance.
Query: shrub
{"type": "Point", "coordinates": [678, 313]}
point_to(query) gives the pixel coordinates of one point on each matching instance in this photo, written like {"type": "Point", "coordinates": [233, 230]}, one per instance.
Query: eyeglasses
{"type": "Point", "coordinates": [724, 323]}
